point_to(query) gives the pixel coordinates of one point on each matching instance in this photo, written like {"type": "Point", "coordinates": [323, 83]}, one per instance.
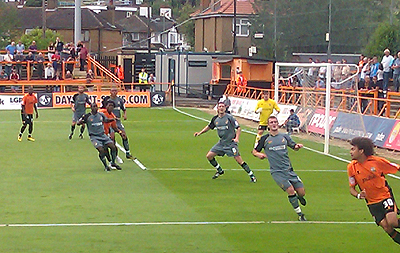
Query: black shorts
{"type": "Point", "coordinates": [27, 118]}
{"type": "Point", "coordinates": [260, 127]}
{"type": "Point", "coordinates": [379, 210]}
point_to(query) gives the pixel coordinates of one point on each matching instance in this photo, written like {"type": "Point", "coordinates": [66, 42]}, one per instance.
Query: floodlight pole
{"type": "Point", "coordinates": [78, 22]}
{"type": "Point", "coordinates": [234, 49]}
{"type": "Point", "coordinates": [328, 36]}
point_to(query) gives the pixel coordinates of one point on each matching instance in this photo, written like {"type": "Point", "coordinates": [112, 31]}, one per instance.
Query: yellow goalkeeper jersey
{"type": "Point", "coordinates": [267, 109]}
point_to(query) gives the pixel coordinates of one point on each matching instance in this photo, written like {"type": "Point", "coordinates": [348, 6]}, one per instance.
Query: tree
{"type": "Point", "coordinates": [385, 36]}
{"type": "Point", "coordinates": [10, 21]}
{"type": "Point", "coordinates": [37, 36]}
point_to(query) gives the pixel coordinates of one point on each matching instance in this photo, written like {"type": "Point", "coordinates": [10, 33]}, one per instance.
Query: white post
{"type": "Point", "coordinates": [327, 106]}
{"type": "Point", "coordinates": [78, 22]}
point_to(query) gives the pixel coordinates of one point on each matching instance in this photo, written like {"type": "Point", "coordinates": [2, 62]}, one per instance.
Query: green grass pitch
{"type": "Point", "coordinates": [55, 181]}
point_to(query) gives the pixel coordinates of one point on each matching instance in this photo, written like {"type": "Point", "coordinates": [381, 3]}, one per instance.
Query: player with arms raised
{"type": "Point", "coordinates": [119, 105]}
{"type": "Point", "coordinates": [228, 131]}
{"type": "Point", "coordinates": [78, 106]}
{"type": "Point", "coordinates": [275, 149]}
{"type": "Point", "coordinates": [94, 121]}
{"type": "Point", "coordinates": [368, 173]}
{"type": "Point", "coordinates": [28, 105]}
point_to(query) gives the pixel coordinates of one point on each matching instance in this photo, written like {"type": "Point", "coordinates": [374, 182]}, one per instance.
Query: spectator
{"type": "Point", "coordinates": [56, 62]}
{"type": "Point", "coordinates": [345, 69]}
{"type": "Point", "coordinates": [14, 76]}
{"type": "Point", "coordinates": [377, 84]}
{"type": "Point", "coordinates": [374, 67]}
{"type": "Point", "coordinates": [241, 82]}
{"type": "Point", "coordinates": [291, 122]}
{"type": "Point", "coordinates": [11, 48]}
{"type": "Point", "coordinates": [152, 80]}
{"type": "Point", "coordinates": [366, 68]}
{"type": "Point", "coordinates": [337, 72]}
{"type": "Point", "coordinates": [89, 76]}
{"type": "Point", "coordinates": [33, 48]}
{"type": "Point", "coordinates": [58, 44]}
{"type": "Point", "coordinates": [365, 87]}
{"type": "Point", "coordinates": [143, 79]}
{"type": "Point", "coordinates": [320, 84]}
{"type": "Point", "coordinates": [19, 58]}
{"type": "Point", "coordinates": [30, 58]}
{"type": "Point", "coordinates": [49, 72]}
{"type": "Point", "coordinates": [83, 53]}
{"type": "Point", "coordinates": [68, 75]}
{"type": "Point", "coordinates": [396, 72]}
{"type": "Point", "coordinates": [50, 50]}
{"type": "Point", "coordinates": [387, 60]}
{"type": "Point", "coordinates": [20, 47]}
{"type": "Point", "coordinates": [8, 58]}
{"type": "Point", "coordinates": [3, 77]}
{"type": "Point", "coordinates": [40, 60]}
{"type": "Point", "coordinates": [322, 72]}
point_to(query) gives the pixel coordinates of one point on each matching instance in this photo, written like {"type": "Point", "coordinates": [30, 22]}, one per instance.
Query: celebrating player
{"type": "Point", "coordinates": [368, 173]}
{"type": "Point", "coordinates": [265, 107]}
{"type": "Point", "coordinates": [275, 147]}
{"type": "Point", "coordinates": [78, 106]}
{"type": "Point", "coordinates": [228, 131]}
{"type": "Point", "coordinates": [119, 105]}
{"type": "Point", "coordinates": [28, 105]}
{"type": "Point", "coordinates": [94, 121]}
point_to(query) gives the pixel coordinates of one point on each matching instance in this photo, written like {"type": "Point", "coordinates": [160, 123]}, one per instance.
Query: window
{"type": "Point", "coordinates": [135, 36]}
{"type": "Point", "coordinates": [85, 36]}
{"type": "Point", "coordinates": [242, 27]}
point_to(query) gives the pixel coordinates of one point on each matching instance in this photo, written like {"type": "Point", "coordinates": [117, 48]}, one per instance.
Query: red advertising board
{"type": "Point", "coordinates": [132, 99]}
{"type": "Point", "coordinates": [317, 122]}
{"type": "Point", "coordinates": [393, 141]}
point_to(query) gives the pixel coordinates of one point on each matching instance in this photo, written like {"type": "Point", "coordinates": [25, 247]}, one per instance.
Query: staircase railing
{"type": "Point", "coordinates": [103, 71]}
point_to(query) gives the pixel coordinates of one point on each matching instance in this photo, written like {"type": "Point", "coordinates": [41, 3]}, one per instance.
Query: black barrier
{"type": "Point", "coordinates": [45, 99]}
{"type": "Point", "coordinates": [157, 98]}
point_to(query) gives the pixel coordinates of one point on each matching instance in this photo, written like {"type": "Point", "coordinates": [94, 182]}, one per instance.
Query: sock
{"type": "Point", "coordinates": [30, 129]}
{"type": "Point", "coordinates": [72, 129]}
{"type": "Point", "coordinates": [108, 155]}
{"type": "Point", "coordinates": [395, 236]}
{"type": "Point", "coordinates": [126, 145]}
{"type": "Point", "coordinates": [247, 168]}
{"type": "Point", "coordinates": [103, 160]}
{"type": "Point", "coordinates": [113, 155]}
{"type": "Point", "coordinates": [295, 203]}
{"type": "Point", "coordinates": [82, 129]}
{"type": "Point", "coordinates": [22, 130]}
{"type": "Point", "coordinates": [215, 164]}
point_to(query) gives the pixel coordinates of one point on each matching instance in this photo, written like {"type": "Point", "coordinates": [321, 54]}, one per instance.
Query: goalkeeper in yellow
{"type": "Point", "coordinates": [265, 107]}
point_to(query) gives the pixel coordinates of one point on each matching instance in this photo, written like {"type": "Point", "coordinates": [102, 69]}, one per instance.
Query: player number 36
{"type": "Point", "coordinates": [388, 203]}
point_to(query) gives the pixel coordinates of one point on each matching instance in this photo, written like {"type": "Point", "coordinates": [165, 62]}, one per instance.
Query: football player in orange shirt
{"type": "Point", "coordinates": [368, 173]}
{"type": "Point", "coordinates": [28, 105]}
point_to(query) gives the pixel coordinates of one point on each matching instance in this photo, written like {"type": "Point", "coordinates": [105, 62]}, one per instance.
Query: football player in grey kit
{"type": "Point", "coordinates": [78, 106]}
{"type": "Point", "coordinates": [94, 121]}
{"type": "Point", "coordinates": [119, 105]}
{"type": "Point", "coordinates": [275, 147]}
{"type": "Point", "coordinates": [228, 131]}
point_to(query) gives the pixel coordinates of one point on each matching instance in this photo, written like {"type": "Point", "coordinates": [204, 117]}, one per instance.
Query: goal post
{"type": "Point", "coordinates": [306, 76]}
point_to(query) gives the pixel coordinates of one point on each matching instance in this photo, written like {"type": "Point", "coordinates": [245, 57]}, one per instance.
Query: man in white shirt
{"type": "Point", "coordinates": [387, 61]}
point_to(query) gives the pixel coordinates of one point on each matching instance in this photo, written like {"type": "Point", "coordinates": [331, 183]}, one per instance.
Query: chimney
{"type": "Point", "coordinates": [111, 12]}
{"type": "Point", "coordinates": [204, 4]}
{"type": "Point", "coordinates": [52, 4]}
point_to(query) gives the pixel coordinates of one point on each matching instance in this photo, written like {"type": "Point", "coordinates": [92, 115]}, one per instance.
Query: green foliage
{"type": "Point", "coordinates": [9, 23]}
{"type": "Point", "coordinates": [33, 3]}
{"type": "Point", "coordinates": [37, 35]}
{"type": "Point", "coordinates": [385, 36]}
{"type": "Point", "coordinates": [301, 25]}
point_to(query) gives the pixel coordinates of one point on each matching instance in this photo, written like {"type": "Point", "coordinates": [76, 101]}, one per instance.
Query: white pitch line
{"type": "Point", "coordinates": [320, 222]}
{"type": "Point", "coordinates": [200, 169]}
{"type": "Point", "coordinates": [134, 223]}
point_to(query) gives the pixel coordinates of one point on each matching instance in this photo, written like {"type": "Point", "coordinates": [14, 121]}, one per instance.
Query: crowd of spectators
{"type": "Point", "coordinates": [14, 63]}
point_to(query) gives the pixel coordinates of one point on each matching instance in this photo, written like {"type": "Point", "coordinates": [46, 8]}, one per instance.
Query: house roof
{"type": "Point", "coordinates": [226, 7]}
{"type": "Point", "coordinates": [62, 18]}
{"type": "Point", "coordinates": [139, 24]}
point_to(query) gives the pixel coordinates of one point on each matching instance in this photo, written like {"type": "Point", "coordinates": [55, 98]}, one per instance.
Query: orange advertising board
{"type": "Point", "coordinates": [131, 99]}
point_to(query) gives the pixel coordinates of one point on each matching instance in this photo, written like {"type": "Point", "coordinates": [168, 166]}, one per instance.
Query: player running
{"type": "Point", "coordinates": [228, 131]}
{"type": "Point", "coordinates": [265, 107]}
{"type": "Point", "coordinates": [78, 106]}
{"type": "Point", "coordinates": [275, 147]}
{"type": "Point", "coordinates": [368, 173]}
{"type": "Point", "coordinates": [119, 105]}
{"type": "Point", "coordinates": [94, 121]}
{"type": "Point", "coordinates": [28, 105]}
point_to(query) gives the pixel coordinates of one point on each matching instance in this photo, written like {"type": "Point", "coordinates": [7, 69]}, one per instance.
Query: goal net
{"type": "Point", "coordinates": [320, 92]}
